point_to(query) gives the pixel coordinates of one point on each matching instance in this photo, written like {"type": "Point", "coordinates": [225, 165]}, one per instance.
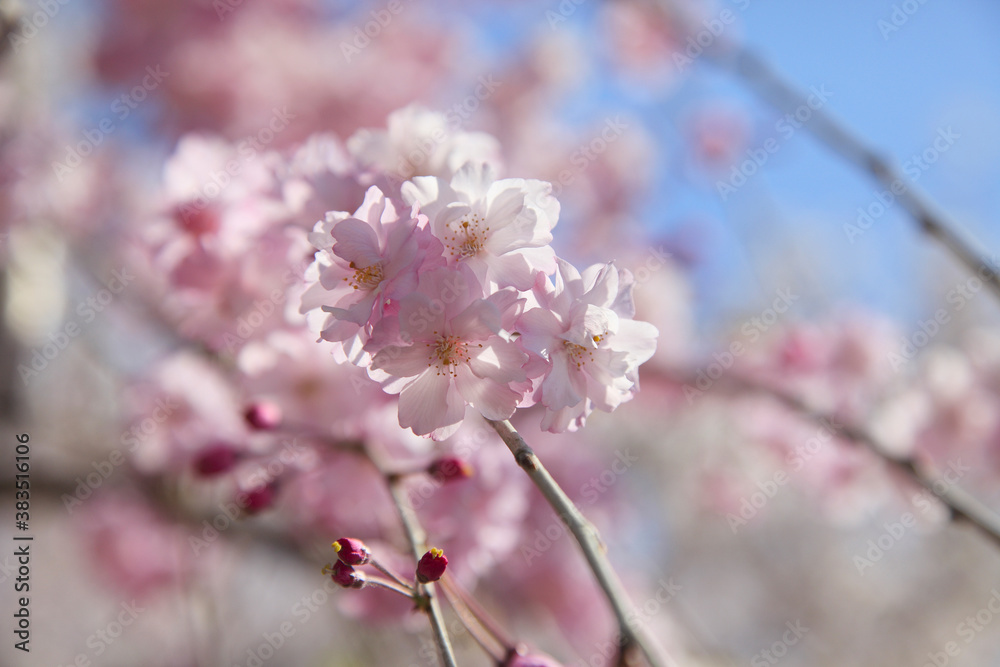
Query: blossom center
{"type": "Point", "coordinates": [468, 237]}
{"type": "Point", "coordinates": [366, 277]}
{"type": "Point", "coordinates": [578, 354]}
{"type": "Point", "coordinates": [447, 353]}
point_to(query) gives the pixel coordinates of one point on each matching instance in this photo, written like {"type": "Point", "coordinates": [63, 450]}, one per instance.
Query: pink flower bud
{"type": "Point", "coordinates": [260, 498]}
{"type": "Point", "coordinates": [347, 576]}
{"type": "Point", "coordinates": [197, 221]}
{"type": "Point", "coordinates": [449, 468]}
{"type": "Point", "coordinates": [215, 459]}
{"type": "Point", "coordinates": [352, 551]}
{"type": "Point", "coordinates": [431, 566]}
{"type": "Point", "coordinates": [263, 416]}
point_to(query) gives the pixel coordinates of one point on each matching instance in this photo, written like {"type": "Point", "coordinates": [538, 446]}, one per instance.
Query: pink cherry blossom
{"type": "Point", "coordinates": [591, 347]}
{"type": "Point", "coordinates": [499, 228]}
{"type": "Point", "coordinates": [455, 354]}
{"type": "Point", "coordinates": [419, 142]}
{"type": "Point", "coordinates": [366, 262]}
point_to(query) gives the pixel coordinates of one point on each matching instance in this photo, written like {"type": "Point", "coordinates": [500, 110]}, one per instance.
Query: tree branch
{"type": "Point", "coordinates": [586, 536]}
{"type": "Point", "coordinates": [961, 505]}
{"type": "Point", "coordinates": [418, 543]}
{"type": "Point", "coordinates": [770, 86]}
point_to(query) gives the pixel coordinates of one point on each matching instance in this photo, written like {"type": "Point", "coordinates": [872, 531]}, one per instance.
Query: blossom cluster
{"type": "Point", "coordinates": [452, 296]}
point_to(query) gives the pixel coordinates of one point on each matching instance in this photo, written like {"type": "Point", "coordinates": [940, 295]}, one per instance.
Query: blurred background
{"type": "Point", "coordinates": [162, 163]}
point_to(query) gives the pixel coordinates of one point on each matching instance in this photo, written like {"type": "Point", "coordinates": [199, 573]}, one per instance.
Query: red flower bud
{"type": "Point", "coordinates": [263, 416]}
{"type": "Point", "coordinates": [352, 551]}
{"type": "Point", "coordinates": [449, 468]}
{"type": "Point", "coordinates": [215, 459]}
{"type": "Point", "coordinates": [260, 498]}
{"type": "Point", "coordinates": [431, 566]}
{"type": "Point", "coordinates": [345, 575]}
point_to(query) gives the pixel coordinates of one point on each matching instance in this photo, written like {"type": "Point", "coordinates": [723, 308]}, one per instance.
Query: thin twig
{"type": "Point", "coordinates": [488, 622]}
{"type": "Point", "coordinates": [586, 536]}
{"type": "Point", "coordinates": [473, 625]}
{"type": "Point", "coordinates": [961, 505]}
{"type": "Point", "coordinates": [418, 543]}
{"type": "Point", "coordinates": [387, 572]}
{"type": "Point", "coordinates": [771, 86]}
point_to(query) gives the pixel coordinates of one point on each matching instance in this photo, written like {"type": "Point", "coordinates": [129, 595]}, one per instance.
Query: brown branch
{"type": "Point", "coordinates": [586, 536]}
{"type": "Point", "coordinates": [418, 544]}
{"type": "Point", "coordinates": [773, 88]}
{"type": "Point", "coordinates": [961, 505]}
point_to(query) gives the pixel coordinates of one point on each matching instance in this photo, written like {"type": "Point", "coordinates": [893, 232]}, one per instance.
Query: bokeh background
{"type": "Point", "coordinates": [636, 128]}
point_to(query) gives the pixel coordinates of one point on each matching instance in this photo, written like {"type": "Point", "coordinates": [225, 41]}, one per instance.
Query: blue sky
{"type": "Point", "coordinates": [941, 69]}
{"type": "Point", "coordinates": [894, 89]}
{"type": "Point", "coordinates": [897, 91]}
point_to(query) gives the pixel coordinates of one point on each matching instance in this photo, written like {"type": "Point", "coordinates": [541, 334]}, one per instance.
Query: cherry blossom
{"type": "Point", "coordinates": [590, 346]}
{"type": "Point", "coordinates": [499, 228]}
{"type": "Point", "coordinates": [419, 142]}
{"type": "Point", "coordinates": [455, 355]}
{"type": "Point", "coordinates": [367, 261]}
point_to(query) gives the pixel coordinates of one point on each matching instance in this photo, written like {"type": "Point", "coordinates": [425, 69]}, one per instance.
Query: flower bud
{"type": "Point", "coordinates": [263, 416]}
{"type": "Point", "coordinates": [346, 576]}
{"type": "Point", "coordinates": [449, 468]}
{"type": "Point", "coordinates": [215, 459]}
{"type": "Point", "coordinates": [260, 498]}
{"type": "Point", "coordinates": [352, 551]}
{"type": "Point", "coordinates": [431, 566]}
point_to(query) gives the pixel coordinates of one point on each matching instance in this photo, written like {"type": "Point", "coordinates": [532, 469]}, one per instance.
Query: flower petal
{"type": "Point", "coordinates": [403, 361]}
{"type": "Point", "coordinates": [356, 242]}
{"type": "Point", "coordinates": [564, 386]}
{"type": "Point", "coordinates": [479, 321]}
{"type": "Point", "coordinates": [493, 399]}
{"type": "Point", "coordinates": [429, 403]}
{"type": "Point", "coordinates": [512, 270]}
{"type": "Point", "coordinates": [499, 359]}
